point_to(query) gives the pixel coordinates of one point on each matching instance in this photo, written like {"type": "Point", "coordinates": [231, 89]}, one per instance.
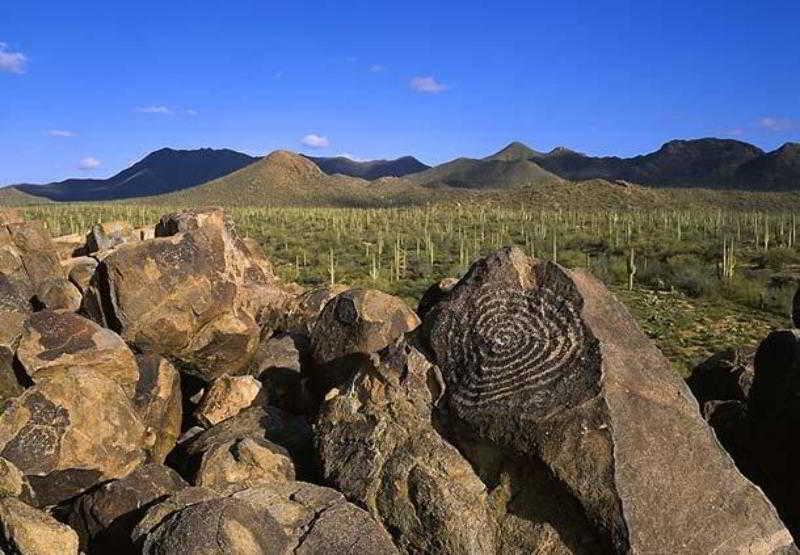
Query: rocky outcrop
{"type": "Point", "coordinates": [11, 330]}
{"type": "Point", "coordinates": [191, 294]}
{"type": "Point", "coordinates": [26, 530]}
{"type": "Point", "coordinates": [379, 447]}
{"type": "Point", "coordinates": [546, 364]}
{"type": "Point", "coordinates": [28, 256]}
{"type": "Point", "coordinates": [104, 236]}
{"type": "Point", "coordinates": [71, 431]}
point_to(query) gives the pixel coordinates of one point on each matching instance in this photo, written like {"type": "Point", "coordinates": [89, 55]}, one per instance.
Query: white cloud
{"type": "Point", "coordinates": [315, 141]}
{"type": "Point", "coordinates": [61, 133]}
{"type": "Point", "coordinates": [377, 68]}
{"type": "Point", "coordinates": [776, 124]}
{"type": "Point", "coordinates": [89, 163]}
{"type": "Point", "coordinates": [12, 62]}
{"type": "Point", "coordinates": [155, 110]}
{"type": "Point", "coordinates": [427, 85]}
{"type": "Point", "coordinates": [191, 112]}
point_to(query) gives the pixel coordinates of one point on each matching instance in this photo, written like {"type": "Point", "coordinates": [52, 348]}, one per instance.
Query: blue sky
{"type": "Point", "coordinates": [87, 87]}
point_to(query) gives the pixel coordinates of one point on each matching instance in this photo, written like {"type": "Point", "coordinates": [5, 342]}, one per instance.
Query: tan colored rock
{"type": "Point", "coordinates": [191, 294]}
{"type": "Point", "coordinates": [379, 448]}
{"type": "Point", "coordinates": [318, 519]}
{"type": "Point", "coordinates": [107, 235]}
{"type": "Point", "coordinates": [26, 530]}
{"type": "Point", "coordinates": [157, 402]}
{"type": "Point", "coordinates": [305, 308]}
{"type": "Point", "coordinates": [278, 366]}
{"type": "Point", "coordinates": [226, 397]}
{"type": "Point", "coordinates": [70, 246]}
{"type": "Point", "coordinates": [58, 293]}
{"type": "Point", "coordinates": [360, 321]}
{"type": "Point", "coordinates": [80, 271]}
{"type": "Point", "coordinates": [27, 256]}
{"type": "Point", "coordinates": [245, 462]}
{"type": "Point", "coordinates": [13, 482]}
{"type": "Point", "coordinates": [71, 431]}
{"type": "Point", "coordinates": [53, 342]}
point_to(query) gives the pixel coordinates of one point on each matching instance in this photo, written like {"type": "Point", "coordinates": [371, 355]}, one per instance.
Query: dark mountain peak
{"type": "Point", "coordinates": [709, 144]}
{"type": "Point", "coordinates": [514, 151]}
{"type": "Point", "coordinates": [369, 169]}
{"type": "Point", "coordinates": [563, 151]}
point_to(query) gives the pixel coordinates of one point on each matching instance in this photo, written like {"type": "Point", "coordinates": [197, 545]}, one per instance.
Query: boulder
{"type": "Point", "coordinates": [244, 462]}
{"type": "Point", "coordinates": [158, 404]}
{"type": "Point", "coordinates": [105, 516]}
{"type": "Point", "coordinates": [226, 396]}
{"type": "Point", "coordinates": [192, 294]}
{"type": "Point", "coordinates": [80, 271]}
{"type": "Point", "coordinates": [318, 519]}
{"type": "Point", "coordinates": [104, 236]}
{"type": "Point", "coordinates": [291, 432]}
{"type": "Point", "coordinates": [218, 526]}
{"type": "Point", "coordinates": [13, 483]}
{"type": "Point", "coordinates": [57, 293]}
{"type": "Point", "coordinates": [29, 531]}
{"type": "Point", "coordinates": [13, 323]}
{"type": "Point", "coordinates": [351, 327]}
{"type": "Point", "coordinates": [548, 365]}
{"type": "Point", "coordinates": [378, 447]}
{"type": "Point", "coordinates": [172, 503]}
{"type": "Point", "coordinates": [360, 321]}
{"type": "Point", "coordinates": [725, 376]}
{"type": "Point", "coordinates": [71, 431]}
{"type": "Point", "coordinates": [54, 342]}
{"type": "Point", "coordinates": [774, 415]}
{"type": "Point", "coordinates": [27, 256]}
{"type": "Point", "coordinates": [303, 310]}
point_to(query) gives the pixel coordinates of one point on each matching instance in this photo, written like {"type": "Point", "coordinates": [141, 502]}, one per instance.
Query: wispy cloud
{"type": "Point", "coordinates": [61, 133]}
{"type": "Point", "coordinates": [315, 141]}
{"type": "Point", "coordinates": [155, 110]}
{"type": "Point", "coordinates": [776, 124]}
{"type": "Point", "coordinates": [191, 112]}
{"type": "Point", "coordinates": [89, 163]}
{"type": "Point", "coordinates": [350, 157]}
{"type": "Point", "coordinates": [377, 68]}
{"type": "Point", "coordinates": [427, 85]}
{"type": "Point", "coordinates": [10, 61]}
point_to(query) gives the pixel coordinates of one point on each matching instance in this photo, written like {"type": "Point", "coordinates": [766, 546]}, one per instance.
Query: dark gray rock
{"type": "Point", "coordinates": [547, 364]}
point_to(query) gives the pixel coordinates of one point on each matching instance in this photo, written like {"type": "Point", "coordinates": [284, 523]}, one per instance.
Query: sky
{"type": "Point", "coordinates": [88, 87]}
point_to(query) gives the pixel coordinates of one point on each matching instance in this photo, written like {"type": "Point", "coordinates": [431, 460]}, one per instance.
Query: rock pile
{"type": "Point", "coordinates": [164, 392]}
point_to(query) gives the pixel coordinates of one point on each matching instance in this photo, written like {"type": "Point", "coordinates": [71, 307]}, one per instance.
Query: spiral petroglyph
{"type": "Point", "coordinates": [504, 341]}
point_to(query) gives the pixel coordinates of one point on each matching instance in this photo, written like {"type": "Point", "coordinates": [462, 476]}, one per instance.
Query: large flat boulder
{"type": "Point", "coordinates": [54, 342]}
{"type": "Point", "coordinates": [192, 294]}
{"type": "Point", "coordinates": [27, 256]}
{"type": "Point", "coordinates": [71, 431]}
{"type": "Point", "coordinates": [548, 365]}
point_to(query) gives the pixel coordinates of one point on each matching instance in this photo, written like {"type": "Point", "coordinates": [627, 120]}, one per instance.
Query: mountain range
{"type": "Point", "coordinates": [699, 163]}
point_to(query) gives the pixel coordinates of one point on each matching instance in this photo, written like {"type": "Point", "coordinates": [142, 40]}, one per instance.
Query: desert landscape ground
{"type": "Point", "coordinates": [435, 278]}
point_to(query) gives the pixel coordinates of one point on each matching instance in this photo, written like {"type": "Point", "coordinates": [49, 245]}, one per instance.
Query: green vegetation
{"type": "Point", "coordinates": [697, 281]}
